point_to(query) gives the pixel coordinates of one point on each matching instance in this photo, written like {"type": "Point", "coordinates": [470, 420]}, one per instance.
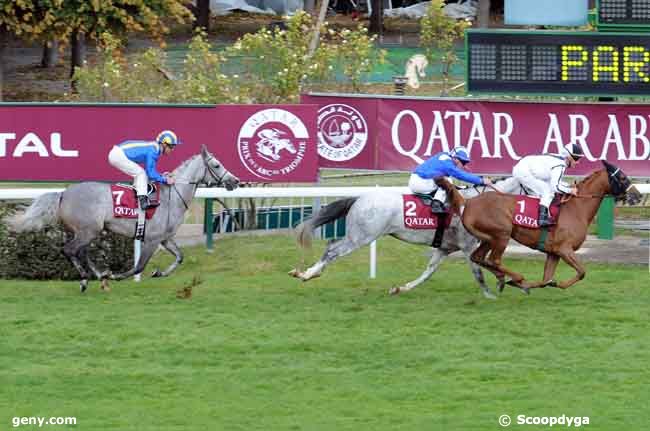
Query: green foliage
{"type": "Point", "coordinates": [439, 31]}
{"type": "Point", "coordinates": [358, 54]}
{"type": "Point", "coordinates": [263, 67]}
{"type": "Point", "coordinates": [39, 255]}
{"type": "Point", "coordinates": [57, 19]}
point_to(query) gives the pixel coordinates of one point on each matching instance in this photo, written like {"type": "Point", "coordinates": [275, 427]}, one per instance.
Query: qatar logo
{"type": "Point", "coordinates": [272, 143]}
{"type": "Point", "coordinates": [342, 132]}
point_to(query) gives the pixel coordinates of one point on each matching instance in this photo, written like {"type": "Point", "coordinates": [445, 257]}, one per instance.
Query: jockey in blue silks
{"type": "Point", "coordinates": [442, 165]}
{"type": "Point", "coordinates": [127, 156]}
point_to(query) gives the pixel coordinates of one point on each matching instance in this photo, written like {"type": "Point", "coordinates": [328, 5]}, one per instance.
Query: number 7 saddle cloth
{"type": "Point", "coordinates": [125, 200]}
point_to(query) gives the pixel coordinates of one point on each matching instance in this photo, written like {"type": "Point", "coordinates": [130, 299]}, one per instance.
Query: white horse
{"type": "Point", "coordinates": [416, 67]}
{"type": "Point", "coordinates": [380, 213]}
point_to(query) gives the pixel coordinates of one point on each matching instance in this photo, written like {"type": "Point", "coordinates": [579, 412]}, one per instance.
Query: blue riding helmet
{"type": "Point", "coordinates": [167, 137]}
{"type": "Point", "coordinates": [461, 154]}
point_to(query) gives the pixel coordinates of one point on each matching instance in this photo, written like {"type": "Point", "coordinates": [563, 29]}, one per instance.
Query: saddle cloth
{"type": "Point", "coordinates": [418, 215]}
{"type": "Point", "coordinates": [526, 211]}
{"type": "Point", "coordinates": [125, 202]}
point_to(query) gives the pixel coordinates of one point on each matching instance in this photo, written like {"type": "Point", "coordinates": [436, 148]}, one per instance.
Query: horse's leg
{"type": "Point", "coordinates": [436, 258]}
{"type": "Point", "coordinates": [549, 270]}
{"type": "Point", "coordinates": [332, 252]}
{"type": "Point", "coordinates": [148, 249]}
{"type": "Point", "coordinates": [498, 246]}
{"type": "Point", "coordinates": [478, 276]}
{"type": "Point", "coordinates": [74, 251]}
{"type": "Point", "coordinates": [173, 248]}
{"type": "Point", "coordinates": [571, 259]}
{"type": "Point", "coordinates": [478, 257]}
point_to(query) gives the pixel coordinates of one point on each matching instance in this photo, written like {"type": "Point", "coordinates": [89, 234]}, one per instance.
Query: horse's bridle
{"type": "Point", "coordinates": [208, 169]}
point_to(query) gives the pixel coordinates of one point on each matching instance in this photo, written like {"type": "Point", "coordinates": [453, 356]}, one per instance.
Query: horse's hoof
{"type": "Point", "coordinates": [487, 294]}
{"type": "Point", "coordinates": [551, 283]}
{"type": "Point", "coordinates": [525, 290]}
{"type": "Point", "coordinates": [395, 291]}
{"type": "Point", "coordinates": [294, 273]}
{"type": "Point", "coordinates": [156, 273]}
{"type": "Point", "coordinates": [105, 286]}
{"type": "Point", "coordinates": [500, 286]}
{"type": "Point", "coordinates": [511, 282]}
{"type": "Point", "coordinates": [83, 285]}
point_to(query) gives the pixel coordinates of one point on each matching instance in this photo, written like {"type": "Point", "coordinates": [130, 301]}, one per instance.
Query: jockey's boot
{"type": "Point", "coordinates": [437, 206]}
{"type": "Point", "coordinates": [544, 217]}
{"type": "Point", "coordinates": [143, 200]}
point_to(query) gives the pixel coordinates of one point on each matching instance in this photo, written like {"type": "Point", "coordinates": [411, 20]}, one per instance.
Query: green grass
{"type": "Point", "coordinates": [256, 350]}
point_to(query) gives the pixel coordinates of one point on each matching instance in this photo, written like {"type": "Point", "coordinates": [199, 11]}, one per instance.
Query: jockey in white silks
{"type": "Point", "coordinates": [442, 165]}
{"type": "Point", "coordinates": [542, 176]}
{"type": "Point", "coordinates": [127, 155]}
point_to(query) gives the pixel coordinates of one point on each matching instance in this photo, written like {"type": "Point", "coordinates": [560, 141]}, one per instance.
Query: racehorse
{"type": "Point", "coordinates": [489, 218]}
{"type": "Point", "coordinates": [379, 213]}
{"type": "Point", "coordinates": [85, 209]}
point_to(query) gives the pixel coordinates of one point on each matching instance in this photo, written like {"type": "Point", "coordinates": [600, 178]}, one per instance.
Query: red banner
{"type": "Point", "coordinates": [257, 143]}
{"type": "Point", "coordinates": [404, 132]}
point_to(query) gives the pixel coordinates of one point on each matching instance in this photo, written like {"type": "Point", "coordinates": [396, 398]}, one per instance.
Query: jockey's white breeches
{"type": "Point", "coordinates": [425, 186]}
{"type": "Point", "coordinates": [118, 159]}
{"type": "Point", "coordinates": [537, 187]}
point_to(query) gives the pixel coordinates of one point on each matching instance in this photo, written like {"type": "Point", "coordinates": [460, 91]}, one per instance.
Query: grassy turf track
{"type": "Point", "coordinates": [256, 350]}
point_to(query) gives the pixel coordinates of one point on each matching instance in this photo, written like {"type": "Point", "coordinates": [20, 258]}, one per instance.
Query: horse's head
{"type": "Point", "coordinates": [620, 185]}
{"type": "Point", "coordinates": [215, 173]}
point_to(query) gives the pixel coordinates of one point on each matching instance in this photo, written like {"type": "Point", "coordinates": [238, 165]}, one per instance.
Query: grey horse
{"type": "Point", "coordinates": [379, 213]}
{"type": "Point", "coordinates": [85, 209]}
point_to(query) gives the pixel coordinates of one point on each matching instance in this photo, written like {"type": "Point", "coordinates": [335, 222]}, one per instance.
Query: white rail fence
{"type": "Point", "coordinates": [286, 195]}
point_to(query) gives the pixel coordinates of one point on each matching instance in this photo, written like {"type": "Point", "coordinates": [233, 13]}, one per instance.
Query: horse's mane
{"type": "Point", "coordinates": [185, 163]}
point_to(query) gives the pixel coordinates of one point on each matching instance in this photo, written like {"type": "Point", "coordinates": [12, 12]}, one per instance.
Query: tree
{"type": "Point", "coordinates": [484, 13]}
{"type": "Point", "coordinates": [439, 32]}
{"type": "Point", "coordinates": [84, 18]}
{"type": "Point", "coordinates": [202, 14]}
{"type": "Point", "coordinates": [377, 17]}
{"type": "Point", "coordinates": [29, 19]}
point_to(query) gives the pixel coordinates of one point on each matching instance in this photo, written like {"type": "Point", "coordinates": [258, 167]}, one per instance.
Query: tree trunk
{"type": "Point", "coordinates": [377, 17]}
{"type": "Point", "coordinates": [50, 54]}
{"type": "Point", "coordinates": [202, 15]}
{"type": "Point", "coordinates": [78, 52]}
{"type": "Point", "coordinates": [321, 19]}
{"type": "Point", "coordinates": [484, 13]}
{"type": "Point", "coordinates": [3, 39]}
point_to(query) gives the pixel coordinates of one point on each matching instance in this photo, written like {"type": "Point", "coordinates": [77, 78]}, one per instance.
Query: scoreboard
{"type": "Point", "coordinates": [555, 62]}
{"type": "Point", "coordinates": [623, 13]}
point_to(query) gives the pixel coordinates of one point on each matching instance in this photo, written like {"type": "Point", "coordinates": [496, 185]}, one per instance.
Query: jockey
{"type": "Point", "coordinates": [443, 164]}
{"type": "Point", "coordinates": [126, 156]}
{"type": "Point", "coordinates": [541, 175]}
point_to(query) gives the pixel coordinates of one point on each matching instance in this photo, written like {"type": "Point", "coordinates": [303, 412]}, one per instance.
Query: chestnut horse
{"type": "Point", "coordinates": [489, 218]}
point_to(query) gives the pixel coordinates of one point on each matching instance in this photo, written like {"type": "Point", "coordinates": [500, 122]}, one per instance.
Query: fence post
{"type": "Point", "coordinates": [208, 224]}
{"type": "Point", "coordinates": [606, 218]}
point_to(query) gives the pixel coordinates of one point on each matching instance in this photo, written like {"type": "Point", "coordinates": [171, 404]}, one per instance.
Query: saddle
{"type": "Point", "coordinates": [152, 190]}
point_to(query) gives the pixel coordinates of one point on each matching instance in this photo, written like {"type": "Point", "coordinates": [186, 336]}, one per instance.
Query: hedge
{"type": "Point", "coordinates": [39, 255]}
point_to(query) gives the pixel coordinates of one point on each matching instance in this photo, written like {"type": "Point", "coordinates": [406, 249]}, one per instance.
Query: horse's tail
{"type": "Point", "coordinates": [42, 212]}
{"type": "Point", "coordinates": [331, 212]}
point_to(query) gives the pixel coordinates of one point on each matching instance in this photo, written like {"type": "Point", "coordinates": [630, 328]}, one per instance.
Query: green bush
{"type": "Point", "coordinates": [39, 255]}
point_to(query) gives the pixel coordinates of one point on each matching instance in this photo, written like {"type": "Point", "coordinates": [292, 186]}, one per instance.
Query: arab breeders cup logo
{"type": "Point", "coordinates": [342, 132]}
{"type": "Point", "coordinates": [272, 143]}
